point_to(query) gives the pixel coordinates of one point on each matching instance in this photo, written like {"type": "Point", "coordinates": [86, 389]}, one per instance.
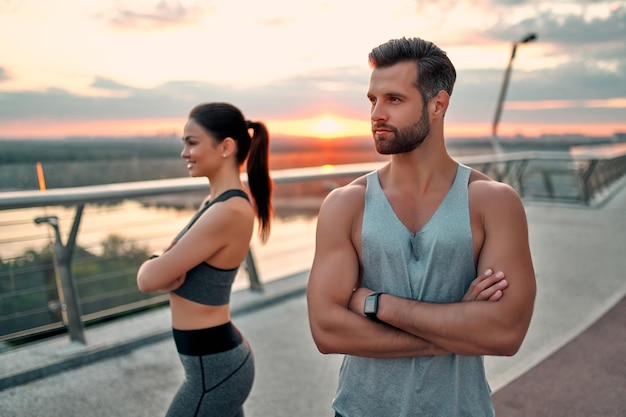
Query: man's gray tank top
{"type": "Point", "coordinates": [436, 264]}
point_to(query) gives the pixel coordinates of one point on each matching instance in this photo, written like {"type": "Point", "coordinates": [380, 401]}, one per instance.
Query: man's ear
{"type": "Point", "coordinates": [439, 104]}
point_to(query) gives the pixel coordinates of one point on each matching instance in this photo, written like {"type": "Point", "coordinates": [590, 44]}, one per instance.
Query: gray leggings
{"type": "Point", "coordinates": [216, 384]}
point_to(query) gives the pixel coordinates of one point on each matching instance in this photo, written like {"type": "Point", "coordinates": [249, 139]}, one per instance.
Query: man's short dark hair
{"type": "Point", "coordinates": [435, 71]}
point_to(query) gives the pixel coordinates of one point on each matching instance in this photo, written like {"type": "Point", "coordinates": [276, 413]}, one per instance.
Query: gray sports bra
{"type": "Point", "coordinates": [206, 284]}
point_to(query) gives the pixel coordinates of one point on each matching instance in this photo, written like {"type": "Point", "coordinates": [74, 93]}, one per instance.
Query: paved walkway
{"type": "Point", "coordinates": [585, 378]}
{"type": "Point", "coordinates": [573, 351]}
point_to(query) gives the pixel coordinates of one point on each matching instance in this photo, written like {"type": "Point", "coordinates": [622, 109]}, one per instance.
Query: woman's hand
{"type": "Point", "coordinates": [178, 281]}
{"type": "Point", "coordinates": [174, 284]}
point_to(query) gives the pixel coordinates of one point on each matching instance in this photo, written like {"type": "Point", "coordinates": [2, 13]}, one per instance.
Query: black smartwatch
{"type": "Point", "coordinates": [370, 307]}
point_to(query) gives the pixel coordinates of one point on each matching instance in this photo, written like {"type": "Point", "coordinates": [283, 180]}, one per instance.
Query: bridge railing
{"type": "Point", "coordinates": [67, 287]}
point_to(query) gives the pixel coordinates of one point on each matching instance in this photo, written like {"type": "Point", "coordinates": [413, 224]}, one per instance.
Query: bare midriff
{"type": "Point", "coordinates": [189, 315]}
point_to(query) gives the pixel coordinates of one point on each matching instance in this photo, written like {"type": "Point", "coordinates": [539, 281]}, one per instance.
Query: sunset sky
{"type": "Point", "coordinates": [136, 67]}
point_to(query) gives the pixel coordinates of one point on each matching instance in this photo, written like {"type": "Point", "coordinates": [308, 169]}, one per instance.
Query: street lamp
{"type": "Point", "coordinates": [496, 145]}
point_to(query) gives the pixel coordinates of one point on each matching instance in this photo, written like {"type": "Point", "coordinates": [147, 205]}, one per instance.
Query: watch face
{"type": "Point", "coordinates": [370, 304]}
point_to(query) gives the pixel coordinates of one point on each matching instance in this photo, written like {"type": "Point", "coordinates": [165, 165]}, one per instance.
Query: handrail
{"type": "Point", "coordinates": [590, 171]}
{"type": "Point", "coordinates": [99, 193]}
{"type": "Point", "coordinates": [79, 196]}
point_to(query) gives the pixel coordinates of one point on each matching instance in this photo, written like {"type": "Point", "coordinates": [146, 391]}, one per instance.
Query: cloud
{"type": "Point", "coordinates": [7, 6]}
{"type": "Point", "coordinates": [106, 84]}
{"type": "Point", "coordinates": [581, 78]}
{"type": "Point", "coordinates": [572, 91]}
{"type": "Point", "coordinates": [540, 2]}
{"type": "Point", "coordinates": [173, 99]}
{"type": "Point", "coordinates": [3, 75]}
{"type": "Point", "coordinates": [618, 103]}
{"type": "Point", "coordinates": [574, 80]}
{"type": "Point", "coordinates": [588, 46]}
{"type": "Point", "coordinates": [276, 22]}
{"type": "Point", "coordinates": [165, 13]}
{"type": "Point", "coordinates": [58, 104]}
{"type": "Point", "coordinates": [570, 29]}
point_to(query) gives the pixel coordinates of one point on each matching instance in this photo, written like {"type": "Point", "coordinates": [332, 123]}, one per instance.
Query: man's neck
{"type": "Point", "coordinates": [423, 168]}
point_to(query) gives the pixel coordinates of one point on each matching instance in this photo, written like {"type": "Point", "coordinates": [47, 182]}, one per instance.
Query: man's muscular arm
{"type": "Point", "coordinates": [334, 275]}
{"type": "Point", "coordinates": [479, 328]}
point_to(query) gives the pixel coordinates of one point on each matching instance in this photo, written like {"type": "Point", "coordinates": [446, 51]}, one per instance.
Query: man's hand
{"type": "Point", "coordinates": [487, 287]}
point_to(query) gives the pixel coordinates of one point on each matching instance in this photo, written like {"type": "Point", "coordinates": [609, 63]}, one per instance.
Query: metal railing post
{"type": "Point", "coordinates": [250, 265]}
{"type": "Point", "coordinates": [586, 179]}
{"type": "Point", "coordinates": [547, 183]}
{"type": "Point", "coordinates": [68, 293]}
{"type": "Point", "coordinates": [519, 177]}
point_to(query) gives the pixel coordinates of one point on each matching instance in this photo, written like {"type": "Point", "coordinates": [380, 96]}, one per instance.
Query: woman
{"type": "Point", "coordinates": [200, 265]}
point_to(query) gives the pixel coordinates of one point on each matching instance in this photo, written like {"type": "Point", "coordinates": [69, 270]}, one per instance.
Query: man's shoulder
{"type": "Point", "coordinates": [490, 196]}
{"type": "Point", "coordinates": [354, 190]}
{"type": "Point", "coordinates": [485, 186]}
{"type": "Point", "coordinates": [348, 197]}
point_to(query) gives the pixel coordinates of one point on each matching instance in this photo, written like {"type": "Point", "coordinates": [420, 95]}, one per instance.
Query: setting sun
{"type": "Point", "coordinates": [327, 126]}
{"type": "Point", "coordinates": [323, 127]}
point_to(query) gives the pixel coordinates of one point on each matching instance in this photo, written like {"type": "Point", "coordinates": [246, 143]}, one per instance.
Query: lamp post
{"type": "Point", "coordinates": [505, 83]}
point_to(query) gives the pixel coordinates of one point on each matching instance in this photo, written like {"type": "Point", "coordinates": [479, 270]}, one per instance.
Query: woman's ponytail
{"type": "Point", "coordinates": [259, 180]}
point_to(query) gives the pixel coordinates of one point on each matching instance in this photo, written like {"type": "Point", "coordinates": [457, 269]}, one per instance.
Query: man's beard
{"type": "Point", "coordinates": [405, 139]}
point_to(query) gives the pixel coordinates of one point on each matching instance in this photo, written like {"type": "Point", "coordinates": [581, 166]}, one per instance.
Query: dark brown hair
{"type": "Point", "coordinates": [435, 71]}
{"type": "Point", "coordinates": [223, 120]}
